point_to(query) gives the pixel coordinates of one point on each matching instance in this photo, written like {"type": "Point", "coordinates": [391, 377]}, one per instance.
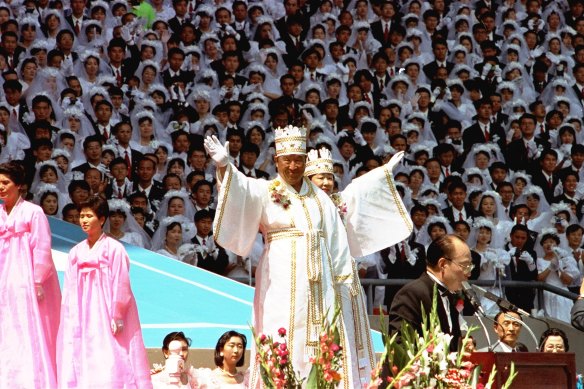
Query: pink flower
{"type": "Point", "coordinates": [335, 347]}
{"type": "Point", "coordinates": [282, 332]}
{"type": "Point", "coordinates": [262, 338]}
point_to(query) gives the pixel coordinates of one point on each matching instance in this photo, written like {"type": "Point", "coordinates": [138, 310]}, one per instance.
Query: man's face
{"type": "Point", "coordinates": [527, 127]}
{"type": "Point", "coordinates": [331, 111]}
{"type": "Point", "coordinates": [291, 7]}
{"type": "Point", "coordinates": [280, 120]}
{"type": "Point", "coordinates": [77, 6]}
{"type": "Point", "coordinates": [204, 226]}
{"type": "Point", "coordinates": [124, 134]}
{"type": "Point", "coordinates": [248, 159]}
{"type": "Point", "coordinates": [419, 218]}
{"type": "Point", "coordinates": [231, 64]}
{"type": "Point", "coordinates": [223, 17]}
{"type": "Point", "coordinates": [287, 86]}
{"type": "Point", "coordinates": [240, 12]}
{"type": "Point", "coordinates": [203, 196]}
{"type": "Point", "coordinates": [548, 164]}
{"type": "Point", "coordinates": [146, 170]}
{"type": "Point", "coordinates": [119, 171]}
{"type": "Point", "coordinates": [41, 110]}
{"type": "Point", "coordinates": [72, 216]}
{"type": "Point", "coordinates": [181, 144]}
{"type": "Point", "coordinates": [506, 193]}
{"type": "Point", "coordinates": [291, 168]}
{"type": "Point", "coordinates": [507, 329]}
{"type": "Point", "coordinates": [116, 55]}
{"type": "Point", "coordinates": [93, 151]}
{"type": "Point", "coordinates": [103, 113]}
{"type": "Point", "coordinates": [575, 238]}
{"type": "Point", "coordinates": [518, 238]}
{"type": "Point", "coordinates": [12, 96]}
{"type": "Point", "coordinates": [234, 145]}
{"type": "Point", "coordinates": [456, 268]}
{"type": "Point", "coordinates": [197, 160]}
{"type": "Point", "coordinates": [457, 197]}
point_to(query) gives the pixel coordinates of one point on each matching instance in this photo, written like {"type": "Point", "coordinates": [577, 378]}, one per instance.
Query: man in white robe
{"type": "Point", "coordinates": [306, 259]}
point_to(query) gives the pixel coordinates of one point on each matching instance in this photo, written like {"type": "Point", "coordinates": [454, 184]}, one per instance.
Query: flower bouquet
{"type": "Point", "coordinates": [276, 368]}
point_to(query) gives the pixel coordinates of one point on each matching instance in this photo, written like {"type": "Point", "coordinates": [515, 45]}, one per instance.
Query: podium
{"type": "Point", "coordinates": [534, 370]}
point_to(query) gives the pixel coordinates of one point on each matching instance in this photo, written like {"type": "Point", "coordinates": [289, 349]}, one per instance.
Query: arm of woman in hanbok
{"type": "Point", "coordinates": [240, 205]}
{"type": "Point", "coordinates": [367, 219]}
{"type": "Point", "coordinates": [40, 248]}
{"type": "Point", "coordinates": [120, 278]}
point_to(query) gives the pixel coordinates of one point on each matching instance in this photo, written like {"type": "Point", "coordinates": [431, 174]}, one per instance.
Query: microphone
{"type": "Point", "coordinates": [502, 303]}
{"type": "Point", "coordinates": [472, 297]}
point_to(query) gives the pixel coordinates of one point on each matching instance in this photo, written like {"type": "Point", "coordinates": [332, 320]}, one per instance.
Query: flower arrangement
{"type": "Point", "coordinates": [278, 194]}
{"type": "Point", "coordinates": [424, 361]}
{"type": "Point", "coordinates": [277, 371]}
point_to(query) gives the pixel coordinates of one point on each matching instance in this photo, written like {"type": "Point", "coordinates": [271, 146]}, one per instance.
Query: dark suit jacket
{"type": "Point", "coordinates": [211, 264]}
{"type": "Point", "coordinates": [431, 68]}
{"type": "Point", "coordinates": [517, 158]}
{"type": "Point", "coordinates": [69, 19]}
{"type": "Point", "coordinates": [378, 33]}
{"type": "Point", "coordinates": [292, 52]}
{"type": "Point", "coordinates": [452, 215]}
{"type": "Point", "coordinates": [156, 192]}
{"type": "Point", "coordinates": [401, 268]}
{"type": "Point", "coordinates": [539, 179]}
{"type": "Point", "coordinates": [175, 25]}
{"type": "Point", "coordinates": [474, 134]}
{"type": "Point", "coordinates": [522, 297]}
{"type": "Point", "coordinates": [406, 306]}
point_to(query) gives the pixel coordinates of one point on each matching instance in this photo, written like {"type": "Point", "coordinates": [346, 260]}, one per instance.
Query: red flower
{"type": "Point", "coordinates": [335, 347]}
{"type": "Point", "coordinates": [282, 332]}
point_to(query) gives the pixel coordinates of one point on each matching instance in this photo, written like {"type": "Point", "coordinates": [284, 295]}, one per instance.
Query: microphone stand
{"type": "Point", "coordinates": [469, 293]}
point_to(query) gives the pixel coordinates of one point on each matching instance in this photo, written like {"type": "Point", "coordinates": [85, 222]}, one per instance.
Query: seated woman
{"type": "Point", "coordinates": [159, 375]}
{"type": "Point", "coordinates": [553, 340]}
{"type": "Point", "coordinates": [229, 355]}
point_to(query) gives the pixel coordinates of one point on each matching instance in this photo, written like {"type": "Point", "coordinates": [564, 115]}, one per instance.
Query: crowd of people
{"type": "Point", "coordinates": [485, 99]}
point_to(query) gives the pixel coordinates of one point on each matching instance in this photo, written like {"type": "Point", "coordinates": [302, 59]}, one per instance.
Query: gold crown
{"type": "Point", "coordinates": [290, 140]}
{"type": "Point", "coordinates": [319, 161]}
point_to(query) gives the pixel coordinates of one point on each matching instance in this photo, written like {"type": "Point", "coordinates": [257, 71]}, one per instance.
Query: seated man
{"type": "Point", "coordinates": [213, 258]}
{"type": "Point", "coordinates": [508, 327]}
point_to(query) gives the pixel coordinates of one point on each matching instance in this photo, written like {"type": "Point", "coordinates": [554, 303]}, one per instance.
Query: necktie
{"type": "Point", "coordinates": [10, 62]}
{"type": "Point", "coordinates": [381, 84]}
{"type": "Point", "coordinates": [403, 252]}
{"type": "Point", "coordinates": [460, 217]}
{"type": "Point", "coordinates": [129, 162]}
{"type": "Point", "coordinates": [119, 77]}
{"type": "Point", "coordinates": [298, 45]}
{"type": "Point", "coordinates": [550, 182]}
{"type": "Point", "coordinates": [386, 32]}
{"type": "Point", "coordinates": [487, 133]}
{"type": "Point", "coordinates": [77, 28]}
{"type": "Point", "coordinates": [120, 194]}
{"type": "Point", "coordinates": [391, 72]}
{"type": "Point", "coordinates": [541, 128]}
{"type": "Point", "coordinates": [311, 76]}
{"type": "Point", "coordinates": [447, 172]}
{"type": "Point", "coordinates": [366, 97]}
{"type": "Point", "coordinates": [14, 113]}
{"type": "Point", "coordinates": [582, 94]}
{"type": "Point", "coordinates": [105, 134]}
{"type": "Point", "coordinates": [204, 241]}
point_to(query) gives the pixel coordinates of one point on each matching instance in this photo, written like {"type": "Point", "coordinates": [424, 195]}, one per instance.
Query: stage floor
{"type": "Point", "coordinates": [173, 296]}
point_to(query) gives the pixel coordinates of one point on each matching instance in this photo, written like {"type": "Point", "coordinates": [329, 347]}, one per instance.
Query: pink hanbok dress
{"type": "Point", "coordinates": [28, 327]}
{"type": "Point", "coordinates": [97, 290]}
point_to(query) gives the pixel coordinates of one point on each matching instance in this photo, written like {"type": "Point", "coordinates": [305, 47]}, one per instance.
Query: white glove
{"type": "Point", "coordinates": [358, 137]}
{"type": "Point", "coordinates": [560, 253]}
{"type": "Point", "coordinates": [447, 94]}
{"type": "Point", "coordinates": [353, 171]}
{"type": "Point", "coordinates": [342, 134]}
{"type": "Point", "coordinates": [526, 257]}
{"type": "Point", "coordinates": [117, 326]}
{"type": "Point", "coordinates": [219, 153]}
{"type": "Point", "coordinates": [486, 70]}
{"type": "Point", "coordinates": [436, 92]}
{"type": "Point", "coordinates": [554, 264]}
{"type": "Point", "coordinates": [307, 116]}
{"type": "Point", "coordinates": [395, 159]}
{"type": "Point", "coordinates": [187, 253]}
{"type": "Point", "coordinates": [491, 257]}
{"type": "Point", "coordinates": [126, 35]}
{"type": "Point", "coordinates": [497, 71]}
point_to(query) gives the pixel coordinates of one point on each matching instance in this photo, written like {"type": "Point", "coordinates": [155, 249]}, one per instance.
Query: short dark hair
{"type": "Point", "coordinates": [97, 205]}
{"type": "Point", "coordinates": [174, 336]}
{"type": "Point", "coordinates": [221, 344]}
{"type": "Point", "coordinates": [201, 183]}
{"type": "Point", "coordinates": [15, 171]}
{"type": "Point", "coordinates": [203, 214]}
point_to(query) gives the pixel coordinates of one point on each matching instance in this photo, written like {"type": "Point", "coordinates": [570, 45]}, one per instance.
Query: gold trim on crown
{"type": "Point", "coordinates": [290, 140]}
{"type": "Point", "coordinates": [319, 161]}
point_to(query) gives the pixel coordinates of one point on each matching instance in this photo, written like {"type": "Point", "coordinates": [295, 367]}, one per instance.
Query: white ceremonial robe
{"type": "Point", "coordinates": [305, 260]}
{"type": "Point", "coordinates": [375, 218]}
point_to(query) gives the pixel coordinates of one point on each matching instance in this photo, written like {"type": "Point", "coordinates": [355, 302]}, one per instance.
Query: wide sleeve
{"type": "Point", "coordinates": [40, 245]}
{"type": "Point", "coordinates": [239, 211]}
{"type": "Point", "coordinates": [120, 278]}
{"type": "Point", "coordinates": [338, 247]}
{"type": "Point", "coordinates": [376, 217]}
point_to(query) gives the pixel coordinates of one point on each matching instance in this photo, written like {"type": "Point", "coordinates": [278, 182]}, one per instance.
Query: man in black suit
{"type": "Point", "coordinates": [381, 29]}
{"type": "Point", "coordinates": [523, 267]}
{"type": "Point", "coordinates": [92, 149]}
{"type": "Point", "coordinates": [292, 39]}
{"type": "Point", "coordinates": [497, 116]}
{"type": "Point", "coordinates": [181, 17]}
{"type": "Point", "coordinates": [13, 95]}
{"type": "Point", "coordinates": [122, 67]}
{"type": "Point", "coordinates": [381, 76]}
{"type": "Point", "coordinates": [214, 258]}
{"type": "Point", "coordinates": [103, 125]}
{"type": "Point", "coordinates": [249, 155]}
{"type": "Point", "coordinates": [10, 48]}
{"type": "Point", "coordinates": [440, 51]}
{"type": "Point", "coordinates": [77, 16]}
{"type": "Point", "coordinates": [176, 57]}
{"type": "Point", "coordinates": [448, 264]}
{"type": "Point", "coordinates": [407, 259]}
{"type": "Point", "coordinates": [545, 177]}
{"type": "Point", "coordinates": [122, 132]}
{"type": "Point", "coordinates": [522, 154]}
{"type": "Point", "coordinates": [578, 87]}
{"type": "Point", "coordinates": [293, 10]}
{"type": "Point", "coordinates": [146, 184]}
{"type": "Point", "coordinates": [577, 157]}
{"type": "Point", "coordinates": [459, 210]}
{"type": "Point", "coordinates": [287, 100]}
{"type": "Point", "coordinates": [483, 131]}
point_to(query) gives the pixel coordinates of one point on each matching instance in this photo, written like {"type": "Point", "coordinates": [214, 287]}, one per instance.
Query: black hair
{"type": "Point", "coordinates": [221, 343]}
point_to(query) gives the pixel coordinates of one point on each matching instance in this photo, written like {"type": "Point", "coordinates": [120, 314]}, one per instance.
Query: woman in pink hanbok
{"type": "Point", "coordinates": [30, 296]}
{"type": "Point", "coordinates": [100, 341]}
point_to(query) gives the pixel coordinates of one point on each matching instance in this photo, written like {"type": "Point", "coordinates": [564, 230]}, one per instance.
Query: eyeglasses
{"type": "Point", "coordinates": [465, 268]}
